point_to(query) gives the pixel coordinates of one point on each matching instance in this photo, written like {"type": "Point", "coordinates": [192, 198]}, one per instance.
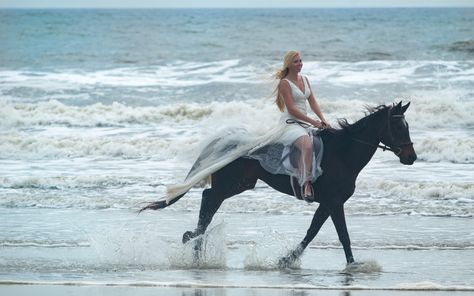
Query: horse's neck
{"type": "Point", "coordinates": [362, 147]}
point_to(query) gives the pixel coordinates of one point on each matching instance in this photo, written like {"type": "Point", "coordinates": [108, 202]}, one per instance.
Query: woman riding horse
{"type": "Point", "coordinates": [235, 163]}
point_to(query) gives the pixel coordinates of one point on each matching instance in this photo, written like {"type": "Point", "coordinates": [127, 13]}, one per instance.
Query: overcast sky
{"type": "Point", "coordinates": [227, 3]}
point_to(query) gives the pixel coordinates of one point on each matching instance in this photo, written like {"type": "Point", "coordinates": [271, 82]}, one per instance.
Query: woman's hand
{"type": "Point", "coordinates": [317, 124]}
{"type": "Point", "coordinates": [325, 124]}
{"type": "Point", "coordinates": [321, 124]}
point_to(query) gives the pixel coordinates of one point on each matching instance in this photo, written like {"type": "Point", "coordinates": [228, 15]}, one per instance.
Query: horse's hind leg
{"type": "Point", "coordinates": [209, 206]}
{"type": "Point", "coordinates": [229, 181]}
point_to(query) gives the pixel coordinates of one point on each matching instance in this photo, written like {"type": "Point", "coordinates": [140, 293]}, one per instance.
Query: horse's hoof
{"type": "Point", "coordinates": [363, 267]}
{"type": "Point", "coordinates": [290, 260]}
{"type": "Point", "coordinates": [354, 264]}
{"type": "Point", "coordinates": [187, 236]}
{"type": "Point", "coordinates": [287, 261]}
{"type": "Point", "coordinates": [284, 262]}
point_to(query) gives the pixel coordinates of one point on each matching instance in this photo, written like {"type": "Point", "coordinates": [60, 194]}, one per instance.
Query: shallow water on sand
{"type": "Point", "coordinates": [117, 247]}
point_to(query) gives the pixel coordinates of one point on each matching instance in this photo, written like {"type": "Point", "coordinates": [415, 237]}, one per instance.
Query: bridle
{"type": "Point", "coordinates": [397, 149]}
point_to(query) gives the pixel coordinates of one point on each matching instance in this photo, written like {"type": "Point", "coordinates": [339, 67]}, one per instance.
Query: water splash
{"type": "Point", "coordinates": [207, 251]}
{"type": "Point", "coordinates": [127, 248]}
{"type": "Point", "coordinates": [266, 254]}
{"type": "Point", "coordinates": [370, 266]}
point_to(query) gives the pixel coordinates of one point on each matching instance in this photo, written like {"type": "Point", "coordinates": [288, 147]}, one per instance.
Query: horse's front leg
{"type": "Point", "coordinates": [320, 216]}
{"type": "Point", "coordinates": [339, 220]}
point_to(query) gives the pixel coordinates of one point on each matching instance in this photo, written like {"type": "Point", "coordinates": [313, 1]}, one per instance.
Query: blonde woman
{"type": "Point", "coordinates": [292, 93]}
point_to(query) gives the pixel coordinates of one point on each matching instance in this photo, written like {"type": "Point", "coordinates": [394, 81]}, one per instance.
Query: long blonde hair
{"type": "Point", "coordinates": [280, 74]}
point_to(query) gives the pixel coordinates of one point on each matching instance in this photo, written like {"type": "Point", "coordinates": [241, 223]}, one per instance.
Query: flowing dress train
{"type": "Point", "coordinates": [276, 151]}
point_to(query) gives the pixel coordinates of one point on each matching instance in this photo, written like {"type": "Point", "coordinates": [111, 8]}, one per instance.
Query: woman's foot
{"type": "Point", "coordinates": [308, 192]}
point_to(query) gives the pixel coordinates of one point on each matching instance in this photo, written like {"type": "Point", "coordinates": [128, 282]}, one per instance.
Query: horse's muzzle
{"type": "Point", "coordinates": [407, 154]}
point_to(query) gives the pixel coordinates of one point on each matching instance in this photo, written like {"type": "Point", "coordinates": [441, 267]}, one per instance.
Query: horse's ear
{"type": "Point", "coordinates": [404, 108]}
{"type": "Point", "coordinates": [397, 109]}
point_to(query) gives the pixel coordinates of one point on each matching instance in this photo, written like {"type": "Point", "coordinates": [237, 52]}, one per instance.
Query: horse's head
{"type": "Point", "coordinates": [396, 134]}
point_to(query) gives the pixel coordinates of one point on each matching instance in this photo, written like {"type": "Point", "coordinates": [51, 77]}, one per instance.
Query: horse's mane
{"type": "Point", "coordinates": [349, 128]}
{"type": "Point", "coordinates": [370, 112]}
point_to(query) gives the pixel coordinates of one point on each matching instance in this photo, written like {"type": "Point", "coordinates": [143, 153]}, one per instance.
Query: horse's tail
{"type": "Point", "coordinates": [161, 204]}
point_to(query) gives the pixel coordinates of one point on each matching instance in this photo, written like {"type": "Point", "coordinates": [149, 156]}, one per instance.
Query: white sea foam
{"type": "Point", "coordinates": [383, 72]}
{"type": "Point", "coordinates": [145, 144]}
{"type": "Point", "coordinates": [43, 244]}
{"type": "Point", "coordinates": [431, 190]}
{"type": "Point", "coordinates": [429, 109]}
{"type": "Point", "coordinates": [442, 109]}
{"type": "Point", "coordinates": [456, 149]}
{"type": "Point", "coordinates": [427, 112]}
{"type": "Point", "coordinates": [118, 115]}
{"type": "Point", "coordinates": [56, 113]}
{"type": "Point", "coordinates": [69, 182]}
{"type": "Point", "coordinates": [372, 197]}
{"type": "Point", "coordinates": [21, 145]}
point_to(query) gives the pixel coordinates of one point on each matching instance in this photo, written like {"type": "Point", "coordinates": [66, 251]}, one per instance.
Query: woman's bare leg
{"type": "Point", "coordinates": [305, 145]}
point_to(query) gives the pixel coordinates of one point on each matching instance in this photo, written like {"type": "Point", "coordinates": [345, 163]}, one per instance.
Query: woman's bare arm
{"type": "Point", "coordinates": [315, 106]}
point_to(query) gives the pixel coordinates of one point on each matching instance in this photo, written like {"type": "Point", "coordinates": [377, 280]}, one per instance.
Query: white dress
{"type": "Point", "coordinates": [274, 151]}
{"type": "Point", "coordinates": [294, 131]}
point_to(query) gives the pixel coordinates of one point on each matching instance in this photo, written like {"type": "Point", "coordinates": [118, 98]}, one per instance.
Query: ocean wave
{"type": "Point", "coordinates": [443, 109]}
{"type": "Point", "coordinates": [437, 199]}
{"type": "Point", "coordinates": [429, 109]}
{"type": "Point", "coordinates": [454, 149]}
{"type": "Point", "coordinates": [165, 140]}
{"type": "Point", "coordinates": [72, 182]}
{"type": "Point", "coordinates": [43, 244]}
{"type": "Point", "coordinates": [431, 190]}
{"type": "Point", "coordinates": [55, 113]}
{"type": "Point", "coordinates": [465, 45]}
{"type": "Point", "coordinates": [174, 74]}
{"type": "Point", "coordinates": [178, 75]}
{"type": "Point", "coordinates": [384, 72]}
{"type": "Point", "coordinates": [372, 198]}
{"type": "Point", "coordinates": [23, 145]}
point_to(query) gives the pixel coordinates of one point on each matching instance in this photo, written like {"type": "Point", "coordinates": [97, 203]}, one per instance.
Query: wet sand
{"type": "Point", "coordinates": [104, 290]}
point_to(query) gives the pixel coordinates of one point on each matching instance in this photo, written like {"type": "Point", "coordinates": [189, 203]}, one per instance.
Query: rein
{"type": "Point", "coordinates": [300, 123]}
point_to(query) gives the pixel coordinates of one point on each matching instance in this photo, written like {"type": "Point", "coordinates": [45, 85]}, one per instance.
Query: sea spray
{"type": "Point", "coordinates": [207, 251]}
{"type": "Point", "coordinates": [266, 253]}
{"type": "Point", "coordinates": [123, 247]}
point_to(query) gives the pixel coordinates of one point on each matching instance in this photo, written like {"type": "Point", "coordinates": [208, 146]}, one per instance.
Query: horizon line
{"type": "Point", "coordinates": [237, 7]}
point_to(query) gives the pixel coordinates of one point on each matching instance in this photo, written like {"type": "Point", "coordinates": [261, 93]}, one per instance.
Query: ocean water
{"type": "Point", "coordinates": [101, 109]}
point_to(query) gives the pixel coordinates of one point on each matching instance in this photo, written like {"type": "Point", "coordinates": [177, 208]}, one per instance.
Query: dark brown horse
{"type": "Point", "coordinates": [346, 152]}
